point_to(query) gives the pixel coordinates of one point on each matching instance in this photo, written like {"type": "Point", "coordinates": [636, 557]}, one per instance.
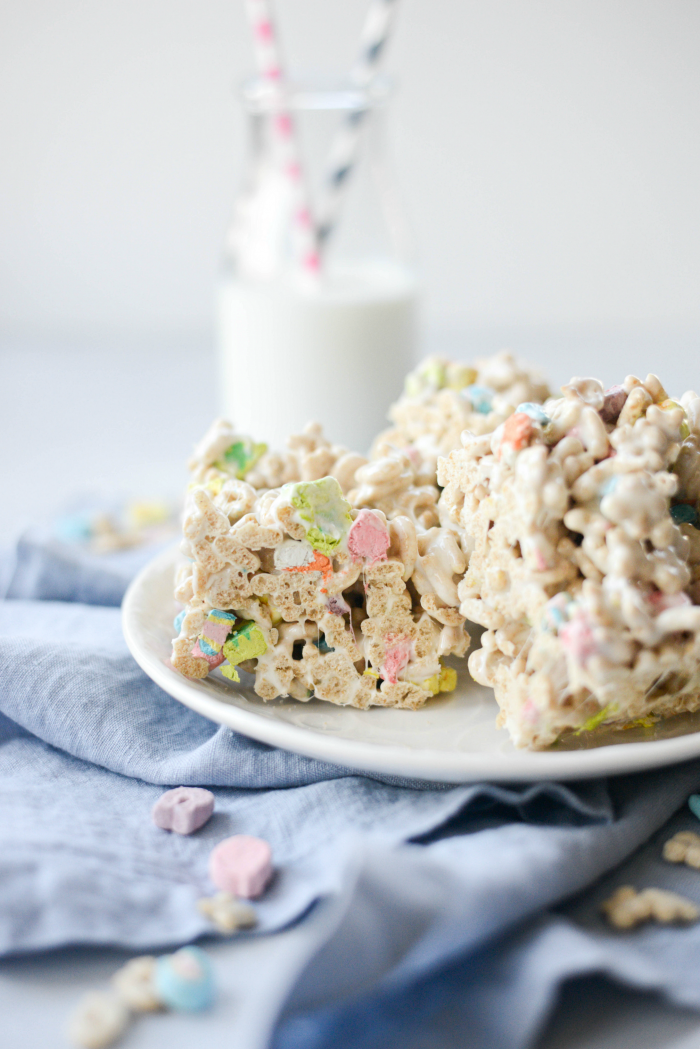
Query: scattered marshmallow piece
{"type": "Point", "coordinates": [627, 908]}
{"type": "Point", "coordinates": [185, 981]}
{"type": "Point", "coordinates": [683, 847]}
{"type": "Point", "coordinates": [694, 805]}
{"type": "Point", "coordinates": [98, 1021]}
{"type": "Point", "coordinates": [241, 865]}
{"type": "Point", "coordinates": [227, 913]}
{"type": "Point", "coordinates": [134, 984]}
{"type": "Point", "coordinates": [183, 809]}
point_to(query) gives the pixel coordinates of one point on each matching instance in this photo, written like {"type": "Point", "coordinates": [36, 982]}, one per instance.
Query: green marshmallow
{"type": "Point", "coordinates": [459, 376]}
{"type": "Point", "coordinates": [430, 374]}
{"type": "Point", "coordinates": [597, 719]}
{"type": "Point", "coordinates": [241, 457]}
{"type": "Point", "coordinates": [325, 510]}
{"type": "Point", "coordinates": [248, 642]}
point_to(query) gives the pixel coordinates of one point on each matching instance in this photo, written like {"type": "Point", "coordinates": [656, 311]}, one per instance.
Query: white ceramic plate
{"type": "Point", "coordinates": [452, 739]}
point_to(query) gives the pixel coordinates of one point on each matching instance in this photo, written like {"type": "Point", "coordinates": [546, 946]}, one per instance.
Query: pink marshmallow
{"type": "Point", "coordinates": [213, 661]}
{"type": "Point", "coordinates": [337, 605]}
{"type": "Point", "coordinates": [183, 810]}
{"type": "Point", "coordinates": [216, 632]}
{"type": "Point", "coordinates": [660, 602]}
{"type": "Point", "coordinates": [241, 865]}
{"type": "Point", "coordinates": [368, 538]}
{"type": "Point", "coordinates": [578, 639]}
{"type": "Point", "coordinates": [396, 659]}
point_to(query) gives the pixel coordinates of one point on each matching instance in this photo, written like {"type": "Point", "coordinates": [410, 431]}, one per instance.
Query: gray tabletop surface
{"type": "Point", "coordinates": [120, 418]}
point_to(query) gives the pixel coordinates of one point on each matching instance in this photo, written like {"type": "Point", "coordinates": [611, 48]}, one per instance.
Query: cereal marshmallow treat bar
{"type": "Point", "coordinates": [579, 519]}
{"type": "Point", "coordinates": [305, 591]}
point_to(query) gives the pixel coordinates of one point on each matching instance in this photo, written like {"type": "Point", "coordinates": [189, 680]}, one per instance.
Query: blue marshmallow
{"type": "Point", "coordinates": [535, 411]}
{"type": "Point", "coordinates": [185, 981]}
{"type": "Point", "coordinates": [481, 398]}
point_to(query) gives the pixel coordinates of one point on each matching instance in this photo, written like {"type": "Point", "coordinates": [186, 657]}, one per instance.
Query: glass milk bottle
{"type": "Point", "coordinates": [317, 308]}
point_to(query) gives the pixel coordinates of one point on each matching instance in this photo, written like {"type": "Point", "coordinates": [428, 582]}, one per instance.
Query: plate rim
{"type": "Point", "coordinates": [424, 764]}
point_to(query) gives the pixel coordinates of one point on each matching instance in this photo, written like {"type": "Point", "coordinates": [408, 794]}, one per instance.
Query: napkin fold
{"type": "Point", "coordinates": [449, 913]}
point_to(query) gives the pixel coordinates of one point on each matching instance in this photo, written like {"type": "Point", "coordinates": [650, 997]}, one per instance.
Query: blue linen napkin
{"type": "Point", "coordinates": [443, 923]}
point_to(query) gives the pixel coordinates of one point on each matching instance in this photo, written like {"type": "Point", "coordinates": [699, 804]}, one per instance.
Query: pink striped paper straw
{"type": "Point", "coordinates": [267, 53]}
{"type": "Point", "coordinates": [345, 145]}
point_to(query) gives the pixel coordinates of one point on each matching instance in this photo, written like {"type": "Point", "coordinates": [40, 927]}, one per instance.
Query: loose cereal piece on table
{"type": "Point", "coordinates": [99, 1020]}
{"type": "Point", "coordinates": [241, 865]}
{"type": "Point", "coordinates": [183, 809]}
{"type": "Point", "coordinates": [683, 847]}
{"type": "Point", "coordinates": [627, 908]}
{"type": "Point", "coordinates": [227, 913]}
{"type": "Point", "coordinates": [185, 981]}
{"type": "Point", "coordinates": [134, 984]}
{"type": "Point", "coordinates": [584, 576]}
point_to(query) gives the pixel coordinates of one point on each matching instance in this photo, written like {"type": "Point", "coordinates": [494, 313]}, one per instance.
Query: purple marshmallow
{"type": "Point", "coordinates": [613, 404]}
{"type": "Point", "coordinates": [184, 809]}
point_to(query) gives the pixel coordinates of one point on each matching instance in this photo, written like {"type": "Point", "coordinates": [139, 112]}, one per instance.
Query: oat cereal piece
{"type": "Point", "coordinates": [391, 484]}
{"type": "Point", "coordinates": [580, 562]}
{"type": "Point", "coordinates": [309, 456]}
{"type": "Point", "coordinates": [683, 847]}
{"type": "Point", "coordinates": [183, 660]}
{"type": "Point", "coordinates": [627, 908]}
{"type": "Point", "coordinates": [99, 1020]}
{"type": "Point", "coordinates": [227, 912]}
{"type": "Point", "coordinates": [134, 985]}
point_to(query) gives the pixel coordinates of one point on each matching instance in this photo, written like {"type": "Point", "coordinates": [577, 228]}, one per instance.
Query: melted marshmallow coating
{"type": "Point", "coordinates": [351, 599]}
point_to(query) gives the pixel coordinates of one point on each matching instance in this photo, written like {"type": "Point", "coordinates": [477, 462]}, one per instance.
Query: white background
{"type": "Point", "coordinates": [548, 152]}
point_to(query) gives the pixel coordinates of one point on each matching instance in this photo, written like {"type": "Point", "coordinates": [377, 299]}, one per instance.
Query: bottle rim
{"type": "Point", "coordinates": [261, 95]}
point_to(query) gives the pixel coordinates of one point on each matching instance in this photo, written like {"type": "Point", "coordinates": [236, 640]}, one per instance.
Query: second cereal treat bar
{"type": "Point", "coordinates": [316, 591]}
{"type": "Point", "coordinates": [580, 516]}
